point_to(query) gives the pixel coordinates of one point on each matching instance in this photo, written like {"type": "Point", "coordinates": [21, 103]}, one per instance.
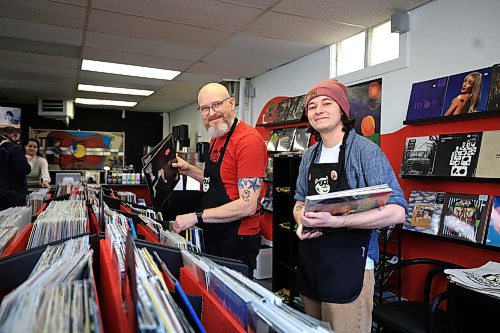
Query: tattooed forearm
{"type": "Point", "coordinates": [299, 207]}
{"type": "Point", "coordinates": [246, 195]}
{"type": "Point", "coordinates": [250, 183]}
{"type": "Point", "coordinates": [381, 207]}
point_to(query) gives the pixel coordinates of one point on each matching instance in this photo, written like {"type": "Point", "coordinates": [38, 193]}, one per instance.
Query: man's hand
{"type": "Point", "coordinates": [185, 221]}
{"type": "Point", "coordinates": [307, 234]}
{"type": "Point", "coordinates": [183, 166]}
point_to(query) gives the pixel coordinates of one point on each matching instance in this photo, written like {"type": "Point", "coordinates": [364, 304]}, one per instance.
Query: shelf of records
{"type": "Point", "coordinates": [459, 156]}
{"type": "Point", "coordinates": [82, 292]}
{"type": "Point", "coordinates": [291, 139]}
{"type": "Point", "coordinates": [283, 110]}
{"type": "Point", "coordinates": [468, 95]}
{"type": "Point", "coordinates": [467, 218]}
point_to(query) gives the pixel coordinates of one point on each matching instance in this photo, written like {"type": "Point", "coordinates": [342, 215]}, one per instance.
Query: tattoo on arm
{"type": "Point", "coordinates": [298, 208]}
{"type": "Point", "coordinates": [380, 208]}
{"type": "Point", "coordinates": [250, 183]}
{"type": "Point", "coordinates": [246, 195]}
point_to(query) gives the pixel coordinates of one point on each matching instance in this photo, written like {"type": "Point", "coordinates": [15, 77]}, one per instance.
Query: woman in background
{"type": "Point", "coordinates": [39, 165]}
{"type": "Point", "coordinates": [469, 97]}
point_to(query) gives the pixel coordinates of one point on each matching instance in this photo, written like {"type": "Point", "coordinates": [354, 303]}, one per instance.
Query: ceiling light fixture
{"type": "Point", "coordinates": [89, 101]}
{"type": "Point", "coordinates": [130, 70]}
{"type": "Point", "coordinates": [114, 90]}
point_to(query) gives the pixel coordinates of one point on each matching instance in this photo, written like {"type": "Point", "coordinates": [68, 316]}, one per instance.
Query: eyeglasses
{"type": "Point", "coordinates": [216, 106]}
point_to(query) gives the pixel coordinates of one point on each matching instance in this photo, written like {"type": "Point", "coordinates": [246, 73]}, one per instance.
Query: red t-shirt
{"type": "Point", "coordinates": [245, 157]}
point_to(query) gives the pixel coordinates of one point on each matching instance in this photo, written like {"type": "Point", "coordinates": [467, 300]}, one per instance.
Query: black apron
{"type": "Point", "coordinates": [331, 267]}
{"type": "Point", "coordinates": [220, 238]}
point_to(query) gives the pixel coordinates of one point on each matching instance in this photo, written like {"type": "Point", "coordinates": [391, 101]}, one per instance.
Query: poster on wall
{"type": "Point", "coordinates": [365, 101]}
{"type": "Point", "coordinates": [80, 150]}
{"type": "Point", "coordinates": [9, 117]}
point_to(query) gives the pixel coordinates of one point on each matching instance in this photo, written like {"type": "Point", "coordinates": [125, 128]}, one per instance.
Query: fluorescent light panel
{"type": "Point", "coordinates": [114, 90]}
{"type": "Point", "coordinates": [89, 101]}
{"type": "Point", "coordinates": [130, 70]}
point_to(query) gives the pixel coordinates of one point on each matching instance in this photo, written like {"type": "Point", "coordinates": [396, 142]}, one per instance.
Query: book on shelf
{"type": "Point", "coordinates": [349, 201]}
{"type": "Point", "coordinates": [465, 216]}
{"type": "Point", "coordinates": [419, 156]}
{"type": "Point", "coordinates": [493, 235]}
{"type": "Point", "coordinates": [301, 141]}
{"type": "Point", "coordinates": [488, 164]}
{"type": "Point", "coordinates": [493, 103]}
{"type": "Point", "coordinates": [457, 154]}
{"type": "Point", "coordinates": [424, 211]}
{"type": "Point", "coordinates": [286, 139]}
{"type": "Point", "coordinates": [272, 143]}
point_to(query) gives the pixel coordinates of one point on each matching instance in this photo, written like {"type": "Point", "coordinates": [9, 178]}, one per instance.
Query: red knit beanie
{"type": "Point", "coordinates": [333, 89]}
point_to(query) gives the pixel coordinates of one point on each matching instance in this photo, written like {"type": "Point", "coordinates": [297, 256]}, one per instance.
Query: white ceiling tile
{"type": "Point", "coordinates": [227, 71]}
{"type": "Point", "coordinates": [211, 14]}
{"type": "Point", "coordinates": [48, 12]}
{"type": "Point", "coordinates": [82, 3]}
{"type": "Point", "coordinates": [40, 32]}
{"type": "Point", "coordinates": [143, 46]}
{"type": "Point", "coordinates": [29, 58]}
{"type": "Point", "coordinates": [265, 4]}
{"type": "Point", "coordinates": [270, 46]}
{"type": "Point", "coordinates": [151, 29]}
{"type": "Point", "coordinates": [199, 77]}
{"type": "Point", "coordinates": [300, 29]}
{"type": "Point", "coordinates": [242, 58]}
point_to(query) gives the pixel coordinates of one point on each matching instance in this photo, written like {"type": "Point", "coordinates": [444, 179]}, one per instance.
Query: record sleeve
{"type": "Point", "coordinates": [272, 143]}
{"type": "Point", "coordinates": [301, 141]}
{"type": "Point", "coordinates": [286, 139]}
{"type": "Point", "coordinates": [270, 114]}
{"type": "Point", "coordinates": [282, 111]}
{"type": "Point", "coordinates": [493, 236]}
{"type": "Point", "coordinates": [349, 201]}
{"type": "Point", "coordinates": [297, 109]}
{"type": "Point", "coordinates": [419, 156]}
{"type": "Point", "coordinates": [457, 154]}
{"type": "Point", "coordinates": [488, 164]}
{"type": "Point", "coordinates": [465, 216]}
{"type": "Point", "coordinates": [424, 211]}
{"type": "Point", "coordinates": [426, 99]}
{"type": "Point", "coordinates": [269, 169]}
{"type": "Point", "coordinates": [493, 103]}
{"type": "Point", "coordinates": [161, 176]}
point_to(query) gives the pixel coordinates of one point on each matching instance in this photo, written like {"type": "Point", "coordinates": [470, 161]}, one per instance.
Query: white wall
{"type": "Point", "coordinates": [446, 37]}
{"type": "Point", "coordinates": [190, 116]}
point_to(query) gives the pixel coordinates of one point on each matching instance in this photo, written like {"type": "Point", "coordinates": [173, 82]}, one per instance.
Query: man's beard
{"type": "Point", "coordinates": [219, 130]}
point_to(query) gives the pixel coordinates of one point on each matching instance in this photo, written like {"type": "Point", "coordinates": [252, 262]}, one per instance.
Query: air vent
{"type": "Point", "coordinates": [57, 109]}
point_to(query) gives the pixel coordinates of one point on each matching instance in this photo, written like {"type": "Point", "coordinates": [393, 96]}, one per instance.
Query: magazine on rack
{"type": "Point", "coordinates": [348, 201]}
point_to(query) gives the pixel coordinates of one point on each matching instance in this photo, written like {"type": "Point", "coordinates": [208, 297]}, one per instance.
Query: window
{"type": "Point", "coordinates": [351, 54]}
{"type": "Point", "coordinates": [382, 44]}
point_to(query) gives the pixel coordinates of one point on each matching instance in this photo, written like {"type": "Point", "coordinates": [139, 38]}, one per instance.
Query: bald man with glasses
{"type": "Point", "coordinates": [232, 180]}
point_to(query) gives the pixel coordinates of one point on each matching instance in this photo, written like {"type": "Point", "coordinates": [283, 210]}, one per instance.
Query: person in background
{"type": "Point", "coordinates": [39, 166]}
{"type": "Point", "coordinates": [13, 170]}
{"type": "Point", "coordinates": [232, 180]}
{"type": "Point", "coordinates": [336, 255]}
{"type": "Point", "coordinates": [469, 97]}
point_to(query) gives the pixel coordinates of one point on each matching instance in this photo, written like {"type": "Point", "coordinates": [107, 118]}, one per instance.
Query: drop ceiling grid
{"type": "Point", "coordinates": [241, 58]}
{"type": "Point", "coordinates": [47, 12]}
{"type": "Point", "coordinates": [27, 58]}
{"type": "Point", "coordinates": [201, 13]}
{"type": "Point", "coordinates": [163, 31]}
{"type": "Point", "coordinates": [284, 26]}
{"type": "Point", "coordinates": [226, 71]}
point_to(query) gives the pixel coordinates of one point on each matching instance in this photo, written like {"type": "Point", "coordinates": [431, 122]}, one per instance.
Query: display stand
{"type": "Point", "coordinates": [214, 317]}
{"type": "Point", "coordinates": [19, 244]}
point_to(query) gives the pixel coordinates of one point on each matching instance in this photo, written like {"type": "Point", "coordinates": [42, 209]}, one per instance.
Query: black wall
{"type": "Point", "coordinates": [141, 128]}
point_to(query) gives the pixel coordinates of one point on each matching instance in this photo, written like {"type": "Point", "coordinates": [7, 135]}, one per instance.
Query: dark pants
{"type": "Point", "coordinates": [247, 250]}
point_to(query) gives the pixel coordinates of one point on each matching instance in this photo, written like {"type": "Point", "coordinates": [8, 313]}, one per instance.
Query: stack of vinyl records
{"type": "Point", "coordinates": [58, 296]}
{"type": "Point", "coordinates": [36, 198]}
{"type": "Point", "coordinates": [116, 230]}
{"type": "Point", "coordinates": [127, 196]}
{"type": "Point", "coordinates": [146, 212]}
{"type": "Point", "coordinates": [61, 219]}
{"type": "Point", "coordinates": [12, 222]}
{"type": "Point", "coordinates": [253, 306]}
{"type": "Point", "coordinates": [175, 240]}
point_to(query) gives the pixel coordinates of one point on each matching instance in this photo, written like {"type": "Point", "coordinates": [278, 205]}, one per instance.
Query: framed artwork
{"type": "Point", "coordinates": [9, 117]}
{"type": "Point", "coordinates": [80, 150]}
{"type": "Point", "coordinates": [365, 100]}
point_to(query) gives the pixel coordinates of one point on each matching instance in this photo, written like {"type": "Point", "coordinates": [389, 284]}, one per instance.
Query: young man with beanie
{"type": "Point", "coordinates": [336, 254]}
{"type": "Point", "coordinates": [13, 170]}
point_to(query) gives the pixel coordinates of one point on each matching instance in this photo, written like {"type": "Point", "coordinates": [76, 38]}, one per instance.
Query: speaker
{"type": "Point", "coordinates": [400, 22]}
{"type": "Point", "coordinates": [175, 133]}
{"type": "Point", "coordinates": [183, 132]}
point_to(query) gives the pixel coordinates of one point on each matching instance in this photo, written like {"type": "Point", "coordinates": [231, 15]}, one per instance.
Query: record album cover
{"type": "Point", "coordinates": [457, 154]}
{"type": "Point", "coordinates": [272, 143]}
{"type": "Point", "coordinates": [297, 109]}
{"type": "Point", "coordinates": [493, 103]}
{"type": "Point", "coordinates": [488, 164]}
{"type": "Point", "coordinates": [282, 112]}
{"type": "Point", "coordinates": [493, 236]}
{"type": "Point", "coordinates": [426, 99]}
{"type": "Point", "coordinates": [467, 92]}
{"type": "Point", "coordinates": [465, 216]}
{"type": "Point", "coordinates": [269, 169]}
{"type": "Point", "coordinates": [301, 141]}
{"type": "Point", "coordinates": [286, 139]}
{"type": "Point", "coordinates": [419, 156]}
{"type": "Point", "coordinates": [424, 211]}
